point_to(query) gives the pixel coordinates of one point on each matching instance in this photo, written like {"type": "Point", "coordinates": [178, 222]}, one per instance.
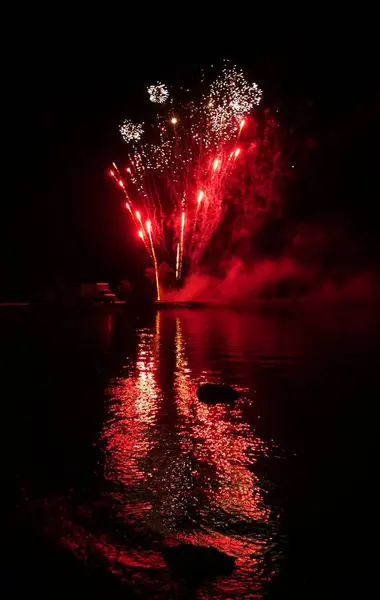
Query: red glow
{"type": "Point", "coordinates": [234, 485]}
{"type": "Point", "coordinates": [128, 170]}
{"type": "Point", "coordinates": [112, 174]}
{"type": "Point", "coordinates": [216, 164]}
{"type": "Point", "coordinates": [121, 183]}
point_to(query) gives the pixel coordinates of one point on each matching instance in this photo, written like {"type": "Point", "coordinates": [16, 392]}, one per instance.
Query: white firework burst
{"type": "Point", "coordinates": [131, 132]}
{"type": "Point", "coordinates": [231, 97]}
{"type": "Point", "coordinates": [158, 93]}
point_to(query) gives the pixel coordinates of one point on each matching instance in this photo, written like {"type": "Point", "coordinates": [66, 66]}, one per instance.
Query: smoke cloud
{"type": "Point", "coordinates": [319, 263]}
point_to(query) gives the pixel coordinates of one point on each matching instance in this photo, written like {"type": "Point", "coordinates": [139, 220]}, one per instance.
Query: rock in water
{"type": "Point", "coordinates": [213, 393]}
{"type": "Point", "coordinates": [198, 563]}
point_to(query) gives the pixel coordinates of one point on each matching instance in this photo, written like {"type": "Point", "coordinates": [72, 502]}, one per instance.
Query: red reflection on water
{"type": "Point", "coordinates": [182, 469]}
{"type": "Point", "coordinates": [226, 450]}
{"type": "Point", "coordinates": [178, 470]}
{"type": "Point", "coordinates": [133, 407]}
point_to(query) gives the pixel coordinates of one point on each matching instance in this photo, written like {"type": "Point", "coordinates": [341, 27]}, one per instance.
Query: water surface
{"type": "Point", "coordinates": [113, 461]}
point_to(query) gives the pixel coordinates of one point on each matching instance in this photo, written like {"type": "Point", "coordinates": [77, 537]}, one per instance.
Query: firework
{"type": "Point", "coordinates": [141, 232]}
{"type": "Point", "coordinates": [216, 164]}
{"type": "Point", "coordinates": [177, 263]}
{"type": "Point", "coordinates": [149, 230]}
{"type": "Point", "coordinates": [131, 132]}
{"type": "Point", "coordinates": [180, 178]}
{"type": "Point", "coordinates": [181, 243]}
{"type": "Point", "coordinates": [231, 98]}
{"type": "Point", "coordinates": [138, 216]}
{"type": "Point", "coordinates": [158, 93]}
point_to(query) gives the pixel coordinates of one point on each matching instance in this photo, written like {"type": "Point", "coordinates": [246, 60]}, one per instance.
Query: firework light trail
{"type": "Point", "coordinates": [149, 230]}
{"type": "Point", "coordinates": [177, 263]}
{"type": "Point", "coordinates": [181, 171]}
{"type": "Point", "coordinates": [181, 243]}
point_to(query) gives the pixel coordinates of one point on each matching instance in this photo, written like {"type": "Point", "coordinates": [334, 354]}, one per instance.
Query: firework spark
{"type": "Point", "coordinates": [231, 97]}
{"type": "Point", "coordinates": [158, 93]}
{"type": "Point", "coordinates": [131, 132]}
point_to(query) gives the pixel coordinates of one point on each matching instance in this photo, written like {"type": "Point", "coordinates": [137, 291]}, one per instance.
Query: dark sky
{"type": "Point", "coordinates": [68, 87]}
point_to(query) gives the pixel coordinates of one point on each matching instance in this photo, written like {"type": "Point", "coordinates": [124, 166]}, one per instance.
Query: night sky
{"type": "Point", "coordinates": [67, 91]}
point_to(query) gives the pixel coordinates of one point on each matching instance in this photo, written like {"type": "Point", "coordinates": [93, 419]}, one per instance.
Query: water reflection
{"type": "Point", "coordinates": [182, 470]}
{"type": "Point", "coordinates": [117, 461]}
{"type": "Point", "coordinates": [129, 435]}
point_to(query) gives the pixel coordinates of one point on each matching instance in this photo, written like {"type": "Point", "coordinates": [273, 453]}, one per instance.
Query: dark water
{"type": "Point", "coordinates": [112, 464]}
